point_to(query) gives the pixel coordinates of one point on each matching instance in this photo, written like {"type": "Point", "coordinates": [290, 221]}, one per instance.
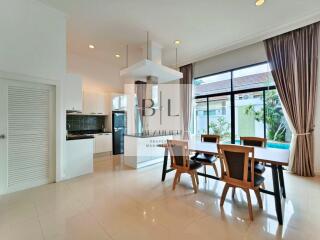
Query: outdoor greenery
{"type": "Point", "coordinates": [276, 124]}
{"type": "Point", "coordinates": [220, 127]}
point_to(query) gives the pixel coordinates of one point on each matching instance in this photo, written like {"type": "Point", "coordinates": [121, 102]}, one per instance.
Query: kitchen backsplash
{"type": "Point", "coordinates": [83, 123]}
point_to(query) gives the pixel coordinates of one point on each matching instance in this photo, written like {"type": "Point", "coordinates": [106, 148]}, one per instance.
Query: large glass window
{"type": "Point", "coordinates": [249, 115]}
{"type": "Point", "coordinates": [240, 102]}
{"type": "Point", "coordinates": [200, 119]}
{"type": "Point", "coordinates": [218, 83]}
{"type": "Point", "coordinates": [220, 117]}
{"type": "Point", "coordinates": [277, 128]}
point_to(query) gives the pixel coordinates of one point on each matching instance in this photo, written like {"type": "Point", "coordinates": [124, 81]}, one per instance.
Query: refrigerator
{"type": "Point", "coordinates": [119, 129]}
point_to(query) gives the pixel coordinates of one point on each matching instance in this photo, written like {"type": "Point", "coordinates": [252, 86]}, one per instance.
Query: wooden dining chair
{"type": "Point", "coordinates": [255, 142]}
{"type": "Point", "coordinates": [235, 172]}
{"type": "Point", "coordinates": [207, 159]}
{"type": "Point", "coordinates": [181, 161]}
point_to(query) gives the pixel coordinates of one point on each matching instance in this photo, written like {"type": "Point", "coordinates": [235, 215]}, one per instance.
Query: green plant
{"type": "Point", "coordinates": [220, 126]}
{"type": "Point", "coordinates": [274, 116]}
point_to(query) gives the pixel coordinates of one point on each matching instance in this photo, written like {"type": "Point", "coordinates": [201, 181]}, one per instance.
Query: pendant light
{"type": "Point", "coordinates": [177, 43]}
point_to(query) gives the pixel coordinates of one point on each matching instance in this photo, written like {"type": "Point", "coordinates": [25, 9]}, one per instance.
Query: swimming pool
{"type": "Point", "coordinates": [278, 145]}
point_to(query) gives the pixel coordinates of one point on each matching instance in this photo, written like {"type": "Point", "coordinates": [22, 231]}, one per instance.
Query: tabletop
{"type": "Point", "coordinates": [272, 156]}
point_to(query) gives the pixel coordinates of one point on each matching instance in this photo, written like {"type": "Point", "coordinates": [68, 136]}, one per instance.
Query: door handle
{"type": "Point", "coordinates": [2, 136]}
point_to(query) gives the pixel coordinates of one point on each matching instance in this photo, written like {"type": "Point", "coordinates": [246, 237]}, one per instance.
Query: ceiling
{"type": "Point", "coordinates": [205, 27]}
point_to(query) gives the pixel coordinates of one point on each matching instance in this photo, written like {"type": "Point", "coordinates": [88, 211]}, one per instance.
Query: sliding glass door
{"type": "Point", "coordinates": [220, 117]}
{"type": "Point", "coordinates": [249, 115]}
{"type": "Point", "coordinates": [277, 128]}
{"type": "Point", "coordinates": [240, 102]}
{"type": "Point", "coordinates": [200, 119]}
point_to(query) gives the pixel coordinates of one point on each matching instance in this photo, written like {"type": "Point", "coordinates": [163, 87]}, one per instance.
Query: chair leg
{"type": "Point", "coordinates": [262, 185]}
{"type": "Point", "coordinates": [197, 177]}
{"type": "Point", "coordinates": [233, 192]}
{"type": "Point", "coordinates": [194, 184]}
{"type": "Point", "coordinates": [179, 177]}
{"type": "Point", "coordinates": [224, 194]}
{"type": "Point", "coordinates": [205, 172]}
{"type": "Point", "coordinates": [249, 204]}
{"type": "Point", "coordinates": [215, 169]}
{"type": "Point", "coordinates": [258, 195]}
{"type": "Point", "coordinates": [175, 180]}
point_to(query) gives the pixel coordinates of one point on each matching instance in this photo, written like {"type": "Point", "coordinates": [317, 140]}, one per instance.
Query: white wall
{"type": "Point", "coordinates": [98, 76]}
{"type": "Point", "coordinates": [238, 58]}
{"type": "Point", "coordinates": [33, 48]}
{"type": "Point", "coordinates": [250, 55]}
{"type": "Point", "coordinates": [102, 74]}
{"type": "Point", "coordinates": [33, 39]}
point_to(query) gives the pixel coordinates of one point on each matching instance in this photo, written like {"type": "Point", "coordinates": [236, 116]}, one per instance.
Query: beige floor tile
{"type": "Point", "coordinates": [79, 225]}
{"type": "Point", "coordinates": [117, 203]}
{"type": "Point", "coordinates": [23, 230]}
{"type": "Point", "coordinates": [17, 213]}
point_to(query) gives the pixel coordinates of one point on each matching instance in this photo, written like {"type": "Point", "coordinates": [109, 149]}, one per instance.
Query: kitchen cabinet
{"type": "Point", "coordinates": [95, 103]}
{"type": "Point", "coordinates": [73, 93]}
{"type": "Point", "coordinates": [79, 157]}
{"type": "Point", "coordinates": [103, 143]}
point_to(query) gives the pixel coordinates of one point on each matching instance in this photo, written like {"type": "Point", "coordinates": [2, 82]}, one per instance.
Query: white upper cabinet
{"type": "Point", "coordinates": [119, 102]}
{"type": "Point", "coordinates": [95, 103]}
{"type": "Point", "coordinates": [73, 92]}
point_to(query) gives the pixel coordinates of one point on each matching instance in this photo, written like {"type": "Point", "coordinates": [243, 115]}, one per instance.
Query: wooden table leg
{"type": "Point", "coordinates": [164, 168]}
{"type": "Point", "coordinates": [281, 179]}
{"type": "Point", "coordinates": [277, 196]}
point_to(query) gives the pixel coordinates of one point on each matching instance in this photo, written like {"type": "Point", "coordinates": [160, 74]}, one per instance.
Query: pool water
{"type": "Point", "coordinates": [274, 145]}
{"type": "Point", "coordinates": [278, 145]}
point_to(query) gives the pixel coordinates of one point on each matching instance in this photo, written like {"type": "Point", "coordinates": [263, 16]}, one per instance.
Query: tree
{"type": "Point", "coordinates": [220, 127]}
{"type": "Point", "coordinates": [274, 116]}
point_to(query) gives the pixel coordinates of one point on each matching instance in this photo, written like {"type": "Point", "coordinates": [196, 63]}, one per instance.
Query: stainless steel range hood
{"type": "Point", "coordinates": [151, 67]}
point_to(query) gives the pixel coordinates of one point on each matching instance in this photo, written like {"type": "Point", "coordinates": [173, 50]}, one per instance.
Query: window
{"type": "Point", "coordinates": [252, 77]}
{"type": "Point", "coordinates": [240, 102]}
{"type": "Point", "coordinates": [249, 115]}
{"type": "Point", "coordinates": [213, 84]}
{"type": "Point", "coordinates": [220, 117]}
{"type": "Point", "coordinates": [200, 120]}
{"type": "Point", "coordinates": [277, 128]}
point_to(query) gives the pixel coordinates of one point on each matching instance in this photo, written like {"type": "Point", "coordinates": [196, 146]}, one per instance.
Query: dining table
{"type": "Point", "coordinates": [274, 158]}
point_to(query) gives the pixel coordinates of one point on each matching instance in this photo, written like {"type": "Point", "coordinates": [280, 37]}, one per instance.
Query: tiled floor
{"type": "Point", "coordinates": [120, 203]}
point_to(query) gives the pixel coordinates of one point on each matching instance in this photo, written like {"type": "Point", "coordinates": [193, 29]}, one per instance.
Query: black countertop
{"type": "Point", "coordinates": [84, 132]}
{"type": "Point", "coordinates": [79, 137]}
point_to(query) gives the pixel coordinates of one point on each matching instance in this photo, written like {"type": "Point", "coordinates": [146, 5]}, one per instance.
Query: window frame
{"type": "Point", "coordinates": [232, 94]}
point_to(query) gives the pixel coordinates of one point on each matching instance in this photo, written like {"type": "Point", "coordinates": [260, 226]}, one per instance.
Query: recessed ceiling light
{"type": "Point", "coordinates": [91, 46]}
{"type": "Point", "coordinates": [177, 42]}
{"type": "Point", "coordinates": [259, 2]}
{"type": "Point", "coordinates": [117, 55]}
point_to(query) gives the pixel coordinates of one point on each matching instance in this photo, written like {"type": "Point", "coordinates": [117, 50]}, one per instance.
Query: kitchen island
{"type": "Point", "coordinates": [141, 150]}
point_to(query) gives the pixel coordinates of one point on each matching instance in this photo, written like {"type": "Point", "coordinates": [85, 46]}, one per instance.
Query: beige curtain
{"type": "Point", "coordinates": [186, 98]}
{"type": "Point", "coordinates": [294, 62]}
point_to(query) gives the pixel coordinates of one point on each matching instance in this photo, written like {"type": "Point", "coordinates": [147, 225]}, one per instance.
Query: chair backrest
{"type": "Point", "coordinates": [235, 164]}
{"type": "Point", "coordinates": [179, 153]}
{"type": "Point", "coordinates": [253, 141]}
{"type": "Point", "coordinates": [210, 138]}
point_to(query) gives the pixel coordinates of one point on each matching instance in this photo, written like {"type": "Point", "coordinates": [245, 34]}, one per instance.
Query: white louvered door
{"type": "Point", "coordinates": [28, 137]}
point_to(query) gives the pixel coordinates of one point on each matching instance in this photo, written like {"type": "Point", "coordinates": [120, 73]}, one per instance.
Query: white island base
{"type": "Point", "coordinates": [142, 151]}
